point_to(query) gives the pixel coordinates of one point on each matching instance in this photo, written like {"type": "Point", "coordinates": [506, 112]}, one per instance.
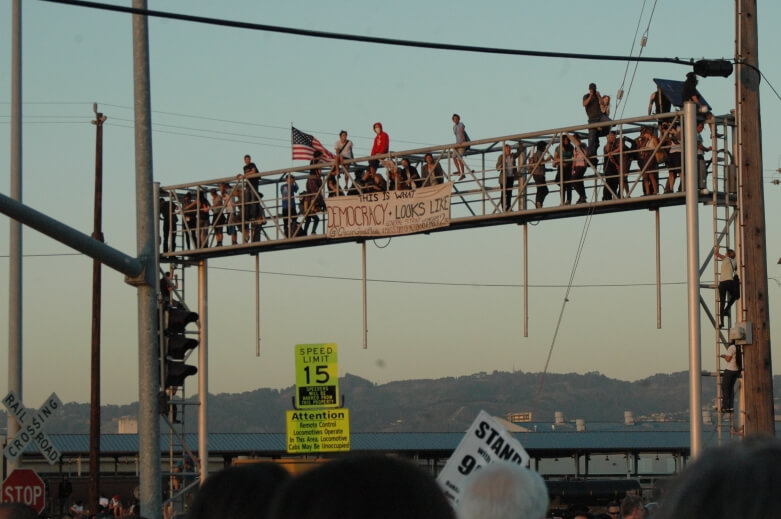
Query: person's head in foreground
{"type": "Point", "coordinates": [240, 492]}
{"type": "Point", "coordinates": [503, 491]}
{"type": "Point", "coordinates": [362, 487]}
{"type": "Point", "coordinates": [742, 479]}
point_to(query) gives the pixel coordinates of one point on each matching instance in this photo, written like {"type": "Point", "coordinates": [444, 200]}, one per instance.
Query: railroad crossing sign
{"type": "Point", "coordinates": [31, 424]}
{"type": "Point", "coordinates": [317, 376]}
{"type": "Point", "coordinates": [26, 487]}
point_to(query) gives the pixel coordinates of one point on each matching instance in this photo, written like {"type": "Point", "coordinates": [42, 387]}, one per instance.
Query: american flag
{"type": "Point", "coordinates": [304, 146]}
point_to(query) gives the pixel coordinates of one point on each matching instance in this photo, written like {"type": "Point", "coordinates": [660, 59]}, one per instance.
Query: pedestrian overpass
{"type": "Point", "coordinates": [261, 211]}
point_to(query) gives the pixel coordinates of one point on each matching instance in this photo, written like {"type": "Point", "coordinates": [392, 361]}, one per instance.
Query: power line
{"type": "Point", "coordinates": [190, 116]}
{"type": "Point", "coordinates": [446, 283]}
{"type": "Point", "coordinates": [643, 42]}
{"type": "Point", "coordinates": [620, 92]}
{"type": "Point", "coordinates": [406, 282]}
{"type": "Point", "coordinates": [169, 132]}
{"type": "Point", "coordinates": [220, 132]}
{"type": "Point", "coordinates": [365, 39]}
{"type": "Point", "coordinates": [769, 84]}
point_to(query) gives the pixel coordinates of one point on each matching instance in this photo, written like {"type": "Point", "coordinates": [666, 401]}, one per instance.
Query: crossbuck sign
{"type": "Point", "coordinates": [31, 424]}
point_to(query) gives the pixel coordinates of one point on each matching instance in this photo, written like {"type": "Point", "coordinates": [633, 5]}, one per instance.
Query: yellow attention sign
{"type": "Point", "coordinates": [317, 376]}
{"type": "Point", "coordinates": [326, 430]}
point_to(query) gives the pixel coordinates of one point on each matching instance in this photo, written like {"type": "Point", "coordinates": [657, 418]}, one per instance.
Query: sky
{"type": "Point", "coordinates": [218, 93]}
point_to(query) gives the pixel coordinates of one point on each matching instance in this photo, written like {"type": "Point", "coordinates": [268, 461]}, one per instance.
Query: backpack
{"type": "Point", "coordinates": [739, 356]}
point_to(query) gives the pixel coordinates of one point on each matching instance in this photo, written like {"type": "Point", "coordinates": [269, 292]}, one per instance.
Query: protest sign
{"type": "Point", "coordinates": [389, 213]}
{"type": "Point", "coordinates": [485, 441]}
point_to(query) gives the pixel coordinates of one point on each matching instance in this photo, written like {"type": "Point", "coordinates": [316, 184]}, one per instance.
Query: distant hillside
{"type": "Point", "coordinates": [441, 405]}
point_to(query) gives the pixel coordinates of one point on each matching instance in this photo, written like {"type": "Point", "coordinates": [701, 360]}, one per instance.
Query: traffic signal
{"type": "Point", "coordinates": [178, 345]}
{"type": "Point", "coordinates": [713, 67]}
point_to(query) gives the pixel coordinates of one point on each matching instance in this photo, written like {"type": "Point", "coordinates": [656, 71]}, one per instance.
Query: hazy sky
{"type": "Point", "coordinates": [218, 93]}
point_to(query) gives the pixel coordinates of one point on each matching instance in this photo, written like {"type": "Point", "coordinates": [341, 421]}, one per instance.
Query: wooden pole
{"type": "Point", "coordinates": [94, 410]}
{"type": "Point", "coordinates": [757, 374]}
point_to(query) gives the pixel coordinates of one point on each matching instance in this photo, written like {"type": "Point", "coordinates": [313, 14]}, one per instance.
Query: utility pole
{"type": "Point", "coordinates": [146, 222]}
{"type": "Point", "coordinates": [757, 367]}
{"type": "Point", "coordinates": [15, 231]}
{"type": "Point", "coordinates": [97, 233]}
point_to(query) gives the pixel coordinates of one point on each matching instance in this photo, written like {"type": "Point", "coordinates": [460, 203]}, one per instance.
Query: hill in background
{"type": "Point", "coordinates": [440, 405]}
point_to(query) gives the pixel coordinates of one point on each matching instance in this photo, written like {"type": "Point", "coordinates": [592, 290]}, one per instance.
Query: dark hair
{"type": "Point", "coordinates": [361, 486]}
{"type": "Point", "coordinates": [456, 115]}
{"type": "Point", "coordinates": [240, 492]}
{"type": "Point", "coordinates": [740, 479]}
{"type": "Point", "coordinates": [247, 157]}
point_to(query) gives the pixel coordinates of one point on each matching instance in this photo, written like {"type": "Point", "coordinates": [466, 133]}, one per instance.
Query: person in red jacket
{"type": "Point", "coordinates": [381, 141]}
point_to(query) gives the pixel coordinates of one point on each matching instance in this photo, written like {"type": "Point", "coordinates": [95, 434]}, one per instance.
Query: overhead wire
{"type": "Point", "coordinates": [392, 281]}
{"type": "Point", "coordinates": [201, 117]}
{"type": "Point", "coordinates": [643, 42]}
{"type": "Point", "coordinates": [620, 91]}
{"type": "Point", "coordinates": [560, 319]}
{"type": "Point", "coordinates": [361, 38]}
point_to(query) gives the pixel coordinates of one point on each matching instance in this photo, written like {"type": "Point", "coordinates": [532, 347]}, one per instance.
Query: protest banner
{"type": "Point", "coordinates": [389, 213]}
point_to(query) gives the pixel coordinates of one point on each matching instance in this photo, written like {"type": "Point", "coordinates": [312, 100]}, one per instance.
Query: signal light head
{"type": "Point", "coordinates": [713, 67]}
{"type": "Point", "coordinates": [179, 345]}
{"type": "Point", "coordinates": [179, 318]}
{"type": "Point", "coordinates": [176, 372]}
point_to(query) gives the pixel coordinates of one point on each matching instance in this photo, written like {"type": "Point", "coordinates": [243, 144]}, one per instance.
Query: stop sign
{"type": "Point", "coordinates": [26, 487]}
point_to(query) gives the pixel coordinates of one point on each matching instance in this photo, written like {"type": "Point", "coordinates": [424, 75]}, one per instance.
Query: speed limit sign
{"type": "Point", "coordinates": [317, 375]}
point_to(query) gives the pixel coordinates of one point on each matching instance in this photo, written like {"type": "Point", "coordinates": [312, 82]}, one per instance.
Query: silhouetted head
{"type": "Point", "coordinates": [741, 479]}
{"type": "Point", "coordinates": [360, 487]}
{"type": "Point", "coordinates": [240, 492]}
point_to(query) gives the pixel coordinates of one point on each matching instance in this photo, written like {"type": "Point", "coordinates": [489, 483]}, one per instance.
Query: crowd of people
{"type": "Point", "coordinates": [740, 479]}
{"type": "Point", "coordinates": [238, 209]}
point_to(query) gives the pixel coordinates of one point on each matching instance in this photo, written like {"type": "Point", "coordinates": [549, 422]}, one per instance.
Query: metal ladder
{"type": "Point", "coordinates": [183, 468]}
{"type": "Point", "coordinates": [725, 216]}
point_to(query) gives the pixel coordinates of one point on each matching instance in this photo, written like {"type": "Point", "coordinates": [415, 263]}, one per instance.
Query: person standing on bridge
{"type": "Point", "coordinates": [612, 166]}
{"type": "Point", "coordinates": [288, 192]}
{"type": "Point", "coordinates": [579, 164]}
{"type": "Point", "coordinates": [312, 198]}
{"type": "Point", "coordinates": [381, 143]}
{"type": "Point", "coordinates": [458, 151]}
{"type": "Point", "coordinates": [690, 93]}
{"type": "Point", "coordinates": [505, 165]}
{"type": "Point", "coordinates": [169, 218]}
{"type": "Point", "coordinates": [592, 102]}
{"type": "Point", "coordinates": [562, 157]}
{"type": "Point", "coordinates": [537, 167]}
{"type": "Point", "coordinates": [253, 211]}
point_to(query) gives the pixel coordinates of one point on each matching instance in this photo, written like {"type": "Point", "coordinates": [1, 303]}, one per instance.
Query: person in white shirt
{"type": "Point", "coordinates": [728, 378]}
{"type": "Point", "coordinates": [729, 284]}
